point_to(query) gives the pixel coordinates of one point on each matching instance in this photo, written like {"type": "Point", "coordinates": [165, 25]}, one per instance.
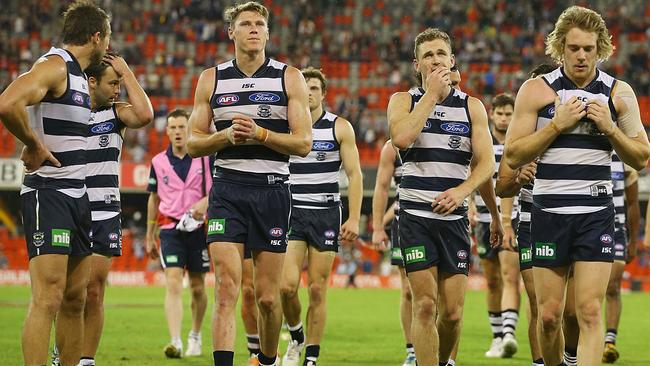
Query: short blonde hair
{"type": "Point", "coordinates": [431, 34]}
{"type": "Point", "coordinates": [586, 20]}
{"type": "Point", "coordinates": [233, 12]}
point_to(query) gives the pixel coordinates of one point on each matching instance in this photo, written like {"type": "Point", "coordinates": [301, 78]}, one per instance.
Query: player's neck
{"type": "Point", "coordinates": [249, 62]}
{"type": "Point", "coordinates": [316, 113]}
{"type": "Point", "coordinates": [581, 82]}
{"type": "Point", "coordinates": [81, 53]}
{"type": "Point", "coordinates": [498, 135]}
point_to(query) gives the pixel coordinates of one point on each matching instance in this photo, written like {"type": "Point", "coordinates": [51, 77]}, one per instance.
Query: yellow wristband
{"type": "Point", "coordinates": [261, 134]}
{"type": "Point", "coordinates": [151, 221]}
{"type": "Point", "coordinates": [554, 126]}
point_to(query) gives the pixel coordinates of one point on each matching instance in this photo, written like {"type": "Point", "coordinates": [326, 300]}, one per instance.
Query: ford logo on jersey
{"type": "Point", "coordinates": [264, 97]}
{"type": "Point", "coordinates": [322, 146]}
{"type": "Point", "coordinates": [228, 99]}
{"type": "Point", "coordinates": [103, 128]}
{"type": "Point", "coordinates": [455, 128]}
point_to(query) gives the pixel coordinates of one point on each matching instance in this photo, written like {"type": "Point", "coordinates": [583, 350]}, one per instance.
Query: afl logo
{"type": "Point", "coordinates": [78, 98]}
{"type": "Point", "coordinates": [551, 111]}
{"type": "Point", "coordinates": [228, 99]}
{"type": "Point", "coordinates": [462, 254]}
{"type": "Point", "coordinates": [322, 146]}
{"type": "Point", "coordinates": [102, 128]}
{"type": "Point", "coordinates": [276, 232]}
{"type": "Point", "coordinates": [264, 98]}
{"type": "Point", "coordinates": [330, 234]}
{"type": "Point", "coordinates": [606, 239]}
{"type": "Point", "coordinates": [455, 128]}
{"type": "Point", "coordinates": [113, 236]}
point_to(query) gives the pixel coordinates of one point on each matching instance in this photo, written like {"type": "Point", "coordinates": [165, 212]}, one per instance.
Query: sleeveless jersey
{"type": "Point", "coordinates": [618, 181]}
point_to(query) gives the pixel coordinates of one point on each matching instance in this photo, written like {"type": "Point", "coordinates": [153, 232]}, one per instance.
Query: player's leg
{"type": "Point", "coordinates": [510, 300]}
{"type": "Point", "coordinates": [590, 286]}
{"type": "Point", "coordinates": [549, 287]}
{"type": "Point", "coordinates": [267, 294]}
{"type": "Point", "coordinates": [613, 309]}
{"type": "Point", "coordinates": [174, 309]}
{"type": "Point", "coordinates": [100, 265]}
{"type": "Point", "coordinates": [451, 287]}
{"type": "Point", "coordinates": [249, 310]}
{"type": "Point", "coordinates": [291, 307]}
{"type": "Point", "coordinates": [424, 332]}
{"type": "Point", "coordinates": [529, 285]}
{"type": "Point", "coordinates": [70, 318]}
{"type": "Point", "coordinates": [319, 270]}
{"type": "Point", "coordinates": [570, 327]}
{"type": "Point", "coordinates": [198, 264]}
{"type": "Point", "coordinates": [406, 315]}
{"type": "Point", "coordinates": [492, 273]}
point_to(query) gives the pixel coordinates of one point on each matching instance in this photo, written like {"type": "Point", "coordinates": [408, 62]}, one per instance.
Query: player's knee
{"type": "Point", "coordinates": [316, 293]}
{"type": "Point", "coordinates": [425, 309]}
{"type": "Point", "coordinates": [550, 320]}
{"type": "Point", "coordinates": [452, 316]}
{"type": "Point", "coordinates": [49, 301]}
{"type": "Point", "coordinates": [198, 290]}
{"type": "Point", "coordinates": [589, 314]}
{"type": "Point", "coordinates": [248, 295]}
{"type": "Point", "coordinates": [289, 289]}
{"type": "Point", "coordinates": [493, 283]}
{"type": "Point", "coordinates": [267, 303]}
{"type": "Point", "coordinates": [613, 290]}
{"type": "Point", "coordinates": [73, 302]}
{"type": "Point", "coordinates": [95, 294]}
{"type": "Point", "coordinates": [407, 296]}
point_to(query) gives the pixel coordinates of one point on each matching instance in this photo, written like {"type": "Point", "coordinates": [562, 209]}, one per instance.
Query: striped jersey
{"type": "Point", "coordinates": [104, 150]}
{"type": "Point", "coordinates": [618, 182]}
{"type": "Point", "coordinates": [439, 157]}
{"type": "Point", "coordinates": [397, 179]}
{"type": "Point", "coordinates": [574, 173]}
{"type": "Point", "coordinates": [525, 203]}
{"type": "Point", "coordinates": [315, 178]}
{"type": "Point", "coordinates": [62, 125]}
{"type": "Point", "coordinates": [482, 210]}
{"type": "Point", "coordinates": [261, 97]}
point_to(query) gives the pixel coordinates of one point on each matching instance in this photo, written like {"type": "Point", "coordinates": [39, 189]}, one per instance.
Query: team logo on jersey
{"type": "Point", "coordinates": [606, 239]}
{"type": "Point", "coordinates": [330, 234]}
{"type": "Point", "coordinates": [276, 232]}
{"type": "Point", "coordinates": [104, 140]}
{"type": "Point", "coordinates": [462, 254]}
{"type": "Point", "coordinates": [108, 198]}
{"type": "Point", "coordinates": [78, 98]}
{"type": "Point", "coordinates": [38, 238]}
{"type": "Point", "coordinates": [455, 128]}
{"type": "Point", "coordinates": [264, 111]}
{"type": "Point", "coordinates": [322, 146]}
{"type": "Point", "coordinates": [264, 97]}
{"type": "Point", "coordinates": [102, 128]}
{"type": "Point", "coordinates": [427, 124]}
{"type": "Point", "coordinates": [454, 142]}
{"type": "Point", "coordinates": [321, 156]}
{"type": "Point", "coordinates": [228, 99]}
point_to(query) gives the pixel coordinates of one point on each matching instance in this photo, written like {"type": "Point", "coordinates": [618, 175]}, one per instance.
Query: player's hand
{"type": "Point", "coordinates": [631, 251]}
{"type": "Point", "coordinates": [151, 247]}
{"type": "Point", "coordinates": [526, 173]}
{"type": "Point", "coordinates": [118, 64]}
{"type": "Point", "coordinates": [472, 215]}
{"type": "Point", "coordinates": [34, 157]}
{"type": "Point", "coordinates": [568, 114]}
{"type": "Point", "coordinates": [350, 230]}
{"type": "Point", "coordinates": [509, 241]}
{"type": "Point", "coordinates": [437, 81]}
{"type": "Point", "coordinates": [448, 201]}
{"type": "Point", "coordinates": [496, 233]}
{"type": "Point", "coordinates": [380, 240]}
{"type": "Point", "coordinates": [599, 113]}
{"type": "Point", "coordinates": [245, 129]}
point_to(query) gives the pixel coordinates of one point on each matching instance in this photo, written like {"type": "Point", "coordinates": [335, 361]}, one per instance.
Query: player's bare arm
{"type": "Point", "coordinates": [352, 167]}
{"type": "Point", "coordinates": [202, 141]}
{"type": "Point", "coordinates": [151, 246]}
{"type": "Point", "coordinates": [48, 77]}
{"type": "Point", "coordinates": [380, 196]}
{"type": "Point", "coordinates": [633, 210]}
{"type": "Point", "coordinates": [510, 181]}
{"type": "Point", "coordinates": [138, 112]}
{"type": "Point", "coordinates": [404, 124]}
{"type": "Point", "coordinates": [630, 140]}
{"type": "Point", "coordinates": [523, 143]}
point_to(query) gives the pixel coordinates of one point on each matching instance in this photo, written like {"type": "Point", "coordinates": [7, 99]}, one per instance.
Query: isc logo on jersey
{"type": "Point", "coordinates": [228, 99]}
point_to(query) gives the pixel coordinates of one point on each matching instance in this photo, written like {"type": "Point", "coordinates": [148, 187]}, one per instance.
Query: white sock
{"type": "Point", "coordinates": [194, 335]}
{"type": "Point", "coordinates": [177, 342]}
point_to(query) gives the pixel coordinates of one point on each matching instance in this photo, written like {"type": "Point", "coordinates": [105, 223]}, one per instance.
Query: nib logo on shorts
{"type": "Point", "coordinates": [545, 250]}
{"type": "Point", "coordinates": [396, 253]}
{"type": "Point", "coordinates": [60, 238]}
{"type": "Point", "coordinates": [171, 259]}
{"type": "Point", "coordinates": [415, 255]}
{"type": "Point", "coordinates": [526, 255]}
{"type": "Point", "coordinates": [216, 226]}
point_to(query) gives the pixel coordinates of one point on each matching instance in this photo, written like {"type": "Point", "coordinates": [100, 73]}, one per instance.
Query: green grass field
{"type": "Point", "coordinates": [363, 329]}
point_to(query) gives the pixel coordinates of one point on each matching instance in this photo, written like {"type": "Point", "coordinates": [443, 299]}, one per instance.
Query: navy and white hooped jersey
{"type": "Point", "coordinates": [315, 178]}
{"type": "Point", "coordinates": [62, 125]}
{"type": "Point", "coordinates": [574, 173]}
{"type": "Point", "coordinates": [525, 203]}
{"type": "Point", "coordinates": [618, 182]}
{"type": "Point", "coordinates": [104, 150]}
{"type": "Point", "coordinates": [482, 210]}
{"type": "Point", "coordinates": [439, 157]}
{"type": "Point", "coordinates": [261, 97]}
{"type": "Point", "coordinates": [398, 170]}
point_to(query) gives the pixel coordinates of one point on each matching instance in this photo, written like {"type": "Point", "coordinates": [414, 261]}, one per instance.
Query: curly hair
{"type": "Point", "coordinates": [586, 20]}
{"type": "Point", "coordinates": [233, 12]}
